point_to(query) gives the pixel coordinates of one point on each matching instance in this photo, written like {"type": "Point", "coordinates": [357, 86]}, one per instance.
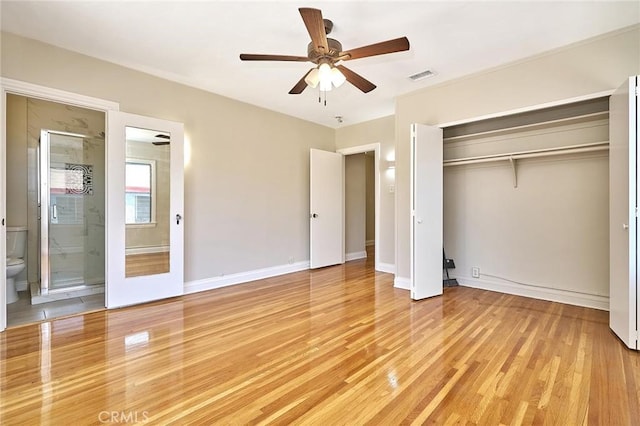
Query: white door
{"type": "Point", "coordinates": [623, 201]}
{"type": "Point", "coordinates": [144, 208]}
{"type": "Point", "coordinates": [327, 209]}
{"type": "Point", "coordinates": [426, 211]}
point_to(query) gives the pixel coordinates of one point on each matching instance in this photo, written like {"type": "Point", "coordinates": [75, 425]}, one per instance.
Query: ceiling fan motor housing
{"type": "Point", "coordinates": [335, 47]}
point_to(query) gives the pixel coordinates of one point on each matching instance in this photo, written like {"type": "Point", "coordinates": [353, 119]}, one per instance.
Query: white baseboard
{"type": "Point", "coordinates": [243, 277]}
{"type": "Point", "coordinates": [147, 250]}
{"type": "Point", "coordinates": [389, 268]}
{"type": "Point", "coordinates": [553, 295]}
{"type": "Point", "coordinates": [21, 285]}
{"type": "Point", "coordinates": [370, 243]}
{"type": "Point", "coordinates": [402, 283]}
{"type": "Point", "coordinates": [355, 255]}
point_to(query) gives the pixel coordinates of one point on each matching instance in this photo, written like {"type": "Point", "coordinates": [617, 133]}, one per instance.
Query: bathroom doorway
{"type": "Point", "coordinates": [55, 187]}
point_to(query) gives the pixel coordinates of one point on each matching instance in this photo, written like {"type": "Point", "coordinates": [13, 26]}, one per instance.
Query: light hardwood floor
{"type": "Point", "coordinates": [146, 264]}
{"type": "Point", "coordinates": [333, 346]}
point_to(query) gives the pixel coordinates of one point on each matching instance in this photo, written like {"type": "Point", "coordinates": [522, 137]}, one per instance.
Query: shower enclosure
{"type": "Point", "coordinates": [71, 197]}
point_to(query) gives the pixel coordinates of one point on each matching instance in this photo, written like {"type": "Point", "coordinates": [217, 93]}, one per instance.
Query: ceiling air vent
{"type": "Point", "coordinates": [421, 75]}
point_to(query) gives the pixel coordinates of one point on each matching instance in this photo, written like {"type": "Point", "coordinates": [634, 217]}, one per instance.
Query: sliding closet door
{"type": "Point", "coordinates": [623, 203]}
{"type": "Point", "coordinates": [426, 211]}
{"type": "Point", "coordinates": [145, 202]}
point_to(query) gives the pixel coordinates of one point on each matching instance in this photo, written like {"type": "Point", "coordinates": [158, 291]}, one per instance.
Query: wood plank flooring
{"type": "Point", "coordinates": [146, 264]}
{"type": "Point", "coordinates": [333, 346]}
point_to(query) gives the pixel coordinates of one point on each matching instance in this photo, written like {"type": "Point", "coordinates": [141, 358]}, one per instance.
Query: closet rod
{"type": "Point", "coordinates": [572, 149]}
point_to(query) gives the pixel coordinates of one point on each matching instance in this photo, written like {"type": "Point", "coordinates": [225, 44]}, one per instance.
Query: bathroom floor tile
{"type": "Point", "coordinates": [24, 317]}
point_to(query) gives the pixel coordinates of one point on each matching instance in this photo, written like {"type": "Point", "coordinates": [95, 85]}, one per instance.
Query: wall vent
{"type": "Point", "coordinates": [421, 75]}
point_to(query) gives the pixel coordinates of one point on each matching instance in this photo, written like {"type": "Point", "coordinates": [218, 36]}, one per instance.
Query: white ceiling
{"type": "Point", "coordinates": [198, 43]}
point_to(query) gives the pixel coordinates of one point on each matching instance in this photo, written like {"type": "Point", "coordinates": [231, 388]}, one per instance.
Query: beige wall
{"type": "Point", "coordinates": [247, 182]}
{"type": "Point", "coordinates": [589, 67]}
{"type": "Point", "coordinates": [16, 161]}
{"type": "Point", "coordinates": [380, 131]}
{"type": "Point", "coordinates": [355, 203]}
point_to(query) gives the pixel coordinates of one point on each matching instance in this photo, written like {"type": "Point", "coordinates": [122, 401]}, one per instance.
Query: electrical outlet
{"type": "Point", "coordinates": [475, 272]}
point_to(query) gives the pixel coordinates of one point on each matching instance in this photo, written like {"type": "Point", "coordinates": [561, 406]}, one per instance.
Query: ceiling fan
{"type": "Point", "coordinates": [326, 53]}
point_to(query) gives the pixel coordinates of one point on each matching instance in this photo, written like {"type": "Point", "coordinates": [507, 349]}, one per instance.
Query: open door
{"type": "Point", "coordinates": [327, 209]}
{"type": "Point", "coordinates": [145, 207]}
{"type": "Point", "coordinates": [624, 120]}
{"type": "Point", "coordinates": [426, 211]}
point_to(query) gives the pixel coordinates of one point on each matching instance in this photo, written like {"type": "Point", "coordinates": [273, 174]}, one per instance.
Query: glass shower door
{"type": "Point", "coordinates": [72, 211]}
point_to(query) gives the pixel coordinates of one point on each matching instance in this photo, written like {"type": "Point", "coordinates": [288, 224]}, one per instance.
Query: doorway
{"type": "Point", "coordinates": [367, 233]}
{"type": "Point", "coordinates": [20, 191]}
{"type": "Point", "coordinates": [55, 182]}
{"type": "Point", "coordinates": [359, 206]}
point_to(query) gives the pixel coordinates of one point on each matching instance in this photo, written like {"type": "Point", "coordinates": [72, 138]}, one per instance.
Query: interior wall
{"type": "Point", "coordinates": [16, 160]}
{"type": "Point", "coordinates": [592, 66]}
{"type": "Point", "coordinates": [552, 230]}
{"type": "Point", "coordinates": [247, 172]}
{"type": "Point", "coordinates": [382, 131]}
{"type": "Point", "coordinates": [355, 205]}
{"type": "Point", "coordinates": [370, 183]}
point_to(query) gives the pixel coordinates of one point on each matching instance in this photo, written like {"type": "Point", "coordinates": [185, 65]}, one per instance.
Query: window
{"type": "Point", "coordinates": [140, 192]}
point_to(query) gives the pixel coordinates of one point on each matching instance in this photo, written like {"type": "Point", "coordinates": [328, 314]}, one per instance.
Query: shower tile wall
{"type": "Point", "coordinates": [53, 116]}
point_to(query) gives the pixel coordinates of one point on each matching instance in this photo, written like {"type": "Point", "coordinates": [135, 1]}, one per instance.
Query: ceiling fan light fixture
{"type": "Point", "coordinates": [313, 78]}
{"type": "Point", "coordinates": [325, 85]}
{"type": "Point", "coordinates": [337, 78]}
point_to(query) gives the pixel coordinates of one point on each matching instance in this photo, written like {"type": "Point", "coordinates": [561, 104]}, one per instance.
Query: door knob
{"type": "Point", "coordinates": [625, 226]}
{"type": "Point", "coordinates": [314, 215]}
{"type": "Point", "coordinates": [419, 220]}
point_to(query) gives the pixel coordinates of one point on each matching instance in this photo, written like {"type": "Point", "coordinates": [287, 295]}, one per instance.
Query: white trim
{"type": "Point", "coordinates": [375, 147]}
{"type": "Point", "coordinates": [389, 268]}
{"type": "Point", "coordinates": [369, 243]}
{"type": "Point", "coordinates": [146, 250]}
{"type": "Point", "coordinates": [402, 283]}
{"type": "Point", "coordinates": [527, 108]}
{"type": "Point", "coordinates": [49, 94]}
{"type": "Point", "coordinates": [355, 255]}
{"type": "Point", "coordinates": [243, 277]}
{"type": "Point", "coordinates": [31, 90]}
{"type": "Point", "coordinates": [553, 295]}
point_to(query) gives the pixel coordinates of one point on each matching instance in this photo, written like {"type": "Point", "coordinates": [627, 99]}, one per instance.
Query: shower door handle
{"type": "Point", "coordinates": [54, 212]}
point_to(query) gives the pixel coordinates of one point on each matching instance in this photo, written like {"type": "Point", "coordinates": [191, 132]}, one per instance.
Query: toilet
{"type": "Point", "coordinates": [16, 248]}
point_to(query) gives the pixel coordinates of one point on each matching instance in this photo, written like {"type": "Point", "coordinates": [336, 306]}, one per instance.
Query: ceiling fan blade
{"type": "Point", "coordinates": [315, 27]}
{"type": "Point", "coordinates": [301, 85]}
{"type": "Point", "coordinates": [356, 79]}
{"type": "Point", "coordinates": [382, 48]}
{"type": "Point", "coordinates": [258, 57]}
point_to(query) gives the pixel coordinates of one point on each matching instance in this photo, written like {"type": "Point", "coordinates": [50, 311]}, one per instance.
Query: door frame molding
{"type": "Point", "coordinates": [361, 149]}
{"type": "Point", "coordinates": [30, 90]}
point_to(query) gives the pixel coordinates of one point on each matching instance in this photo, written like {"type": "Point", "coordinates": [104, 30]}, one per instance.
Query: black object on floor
{"type": "Point", "coordinates": [446, 265]}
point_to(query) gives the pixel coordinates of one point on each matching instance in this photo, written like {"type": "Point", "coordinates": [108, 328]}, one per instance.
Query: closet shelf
{"type": "Point", "coordinates": [531, 126]}
{"type": "Point", "coordinates": [513, 156]}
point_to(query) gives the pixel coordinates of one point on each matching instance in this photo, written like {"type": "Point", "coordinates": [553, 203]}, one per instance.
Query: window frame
{"type": "Point", "coordinates": [153, 196]}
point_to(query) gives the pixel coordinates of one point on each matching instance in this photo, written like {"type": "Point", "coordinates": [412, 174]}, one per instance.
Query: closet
{"type": "Point", "coordinates": [525, 203]}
